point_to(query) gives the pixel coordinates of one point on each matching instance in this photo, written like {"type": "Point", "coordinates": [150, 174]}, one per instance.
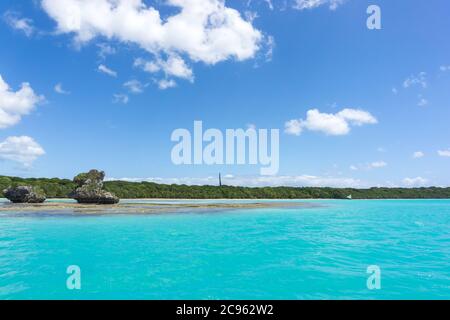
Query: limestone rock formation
{"type": "Point", "coordinates": [90, 189]}
{"type": "Point", "coordinates": [25, 194]}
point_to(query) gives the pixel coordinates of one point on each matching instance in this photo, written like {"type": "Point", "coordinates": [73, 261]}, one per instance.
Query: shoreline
{"type": "Point", "coordinates": [266, 199]}
{"type": "Point", "coordinates": [60, 206]}
{"type": "Point", "coordinates": [140, 208]}
{"type": "Point", "coordinates": [4, 200]}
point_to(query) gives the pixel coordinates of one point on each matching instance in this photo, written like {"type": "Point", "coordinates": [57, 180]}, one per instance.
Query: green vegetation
{"type": "Point", "coordinates": [93, 176]}
{"type": "Point", "coordinates": [53, 188]}
{"type": "Point", "coordinates": [39, 192]}
{"type": "Point", "coordinates": [60, 188]}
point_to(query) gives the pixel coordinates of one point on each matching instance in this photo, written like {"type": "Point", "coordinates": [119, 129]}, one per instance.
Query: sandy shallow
{"type": "Point", "coordinates": [140, 208]}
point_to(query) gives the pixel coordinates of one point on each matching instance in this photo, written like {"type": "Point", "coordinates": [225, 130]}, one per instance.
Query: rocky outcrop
{"type": "Point", "coordinates": [25, 194]}
{"type": "Point", "coordinates": [90, 189]}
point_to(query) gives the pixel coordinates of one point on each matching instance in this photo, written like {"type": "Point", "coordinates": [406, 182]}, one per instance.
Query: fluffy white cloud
{"type": "Point", "coordinates": [23, 150]}
{"type": "Point", "coordinates": [311, 4]}
{"type": "Point", "coordinates": [59, 89]}
{"type": "Point", "coordinates": [356, 117]}
{"type": "Point", "coordinates": [174, 66]}
{"type": "Point", "coordinates": [330, 124]}
{"type": "Point", "coordinates": [444, 68]}
{"type": "Point", "coordinates": [420, 80]}
{"type": "Point", "coordinates": [293, 127]}
{"type": "Point", "coordinates": [418, 155]}
{"type": "Point", "coordinates": [444, 153]}
{"type": "Point", "coordinates": [14, 20]}
{"type": "Point", "coordinates": [15, 104]}
{"type": "Point", "coordinates": [104, 69]}
{"type": "Point", "coordinates": [415, 182]}
{"type": "Point", "coordinates": [203, 30]}
{"type": "Point", "coordinates": [166, 84]}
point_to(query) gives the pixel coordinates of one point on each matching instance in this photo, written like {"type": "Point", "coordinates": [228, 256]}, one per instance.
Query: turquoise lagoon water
{"type": "Point", "coordinates": [304, 253]}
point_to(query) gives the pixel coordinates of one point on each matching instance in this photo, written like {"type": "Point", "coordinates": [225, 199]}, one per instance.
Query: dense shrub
{"type": "Point", "coordinates": [60, 188]}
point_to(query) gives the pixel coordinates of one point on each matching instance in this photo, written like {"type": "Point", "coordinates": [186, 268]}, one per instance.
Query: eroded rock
{"type": "Point", "coordinates": [25, 194]}
{"type": "Point", "coordinates": [90, 189]}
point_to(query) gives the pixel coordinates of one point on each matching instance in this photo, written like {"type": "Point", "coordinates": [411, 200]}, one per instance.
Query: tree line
{"type": "Point", "coordinates": [60, 188]}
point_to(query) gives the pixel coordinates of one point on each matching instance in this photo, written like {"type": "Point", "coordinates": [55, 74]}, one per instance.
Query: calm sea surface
{"type": "Point", "coordinates": [310, 253]}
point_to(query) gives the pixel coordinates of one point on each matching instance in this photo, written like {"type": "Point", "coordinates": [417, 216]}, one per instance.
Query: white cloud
{"type": "Point", "coordinates": [311, 4]}
{"type": "Point", "coordinates": [120, 98]}
{"type": "Point", "coordinates": [259, 181]}
{"type": "Point", "coordinates": [59, 89]}
{"type": "Point", "coordinates": [357, 117]}
{"type": "Point", "coordinates": [377, 165]}
{"type": "Point", "coordinates": [14, 20]}
{"type": "Point", "coordinates": [444, 153]}
{"type": "Point", "coordinates": [415, 182]}
{"type": "Point", "coordinates": [134, 86]}
{"type": "Point", "coordinates": [15, 104]}
{"type": "Point", "coordinates": [105, 50]}
{"type": "Point", "coordinates": [414, 80]}
{"type": "Point", "coordinates": [166, 84]}
{"type": "Point", "coordinates": [369, 166]}
{"type": "Point", "coordinates": [444, 68]}
{"type": "Point", "coordinates": [23, 150]}
{"type": "Point", "coordinates": [104, 69]}
{"type": "Point", "coordinates": [394, 90]}
{"type": "Point", "coordinates": [251, 15]}
{"type": "Point", "coordinates": [418, 155]}
{"type": "Point", "coordinates": [269, 3]}
{"type": "Point", "coordinates": [269, 48]}
{"type": "Point", "coordinates": [330, 124]}
{"type": "Point", "coordinates": [174, 66]}
{"type": "Point", "coordinates": [293, 127]}
{"type": "Point", "coordinates": [204, 30]}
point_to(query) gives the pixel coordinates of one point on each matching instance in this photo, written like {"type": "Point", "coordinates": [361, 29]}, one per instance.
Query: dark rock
{"type": "Point", "coordinates": [94, 196]}
{"type": "Point", "coordinates": [25, 194]}
{"type": "Point", "coordinates": [90, 189]}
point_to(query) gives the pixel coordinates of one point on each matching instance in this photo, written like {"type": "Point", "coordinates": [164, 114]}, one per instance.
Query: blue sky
{"type": "Point", "coordinates": [107, 93]}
